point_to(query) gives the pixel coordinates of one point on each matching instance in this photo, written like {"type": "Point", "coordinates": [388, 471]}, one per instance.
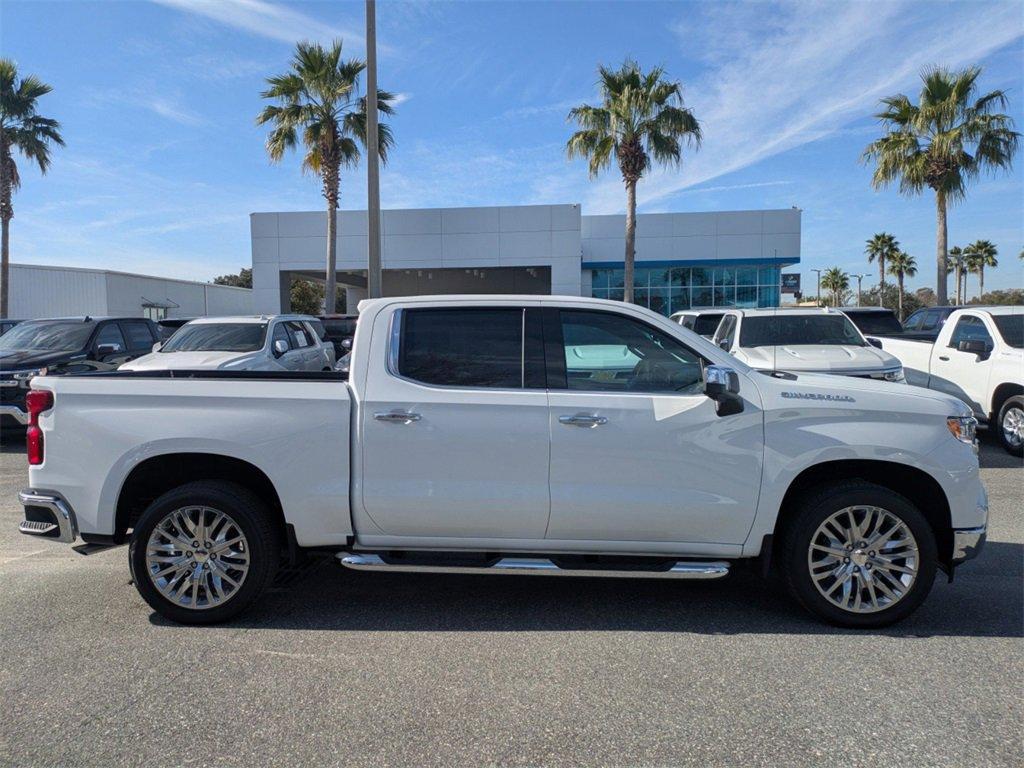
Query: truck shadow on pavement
{"type": "Point", "coordinates": [987, 600]}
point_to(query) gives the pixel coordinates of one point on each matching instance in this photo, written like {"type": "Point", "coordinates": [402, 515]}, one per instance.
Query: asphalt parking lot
{"type": "Point", "coordinates": [336, 667]}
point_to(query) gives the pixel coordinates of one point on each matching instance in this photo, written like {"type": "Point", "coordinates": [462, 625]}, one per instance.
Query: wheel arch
{"type": "Point", "coordinates": [1000, 395]}
{"type": "Point", "coordinates": [916, 485]}
{"type": "Point", "coordinates": [158, 474]}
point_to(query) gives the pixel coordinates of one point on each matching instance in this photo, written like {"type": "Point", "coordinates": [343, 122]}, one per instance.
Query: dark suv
{"type": "Point", "coordinates": [338, 328]}
{"type": "Point", "coordinates": [925, 324]}
{"type": "Point", "coordinates": [65, 345]}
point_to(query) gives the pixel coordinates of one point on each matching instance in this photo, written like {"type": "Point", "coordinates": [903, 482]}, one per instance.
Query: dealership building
{"type": "Point", "coordinates": [683, 260]}
{"type": "Point", "coordinates": [42, 291]}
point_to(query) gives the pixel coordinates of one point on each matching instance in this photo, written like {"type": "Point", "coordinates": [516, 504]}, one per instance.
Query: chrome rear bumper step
{"type": "Point", "coordinates": [537, 566]}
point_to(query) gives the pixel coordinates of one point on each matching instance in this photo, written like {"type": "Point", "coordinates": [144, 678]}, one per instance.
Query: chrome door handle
{"type": "Point", "coordinates": [582, 420]}
{"type": "Point", "coordinates": [398, 417]}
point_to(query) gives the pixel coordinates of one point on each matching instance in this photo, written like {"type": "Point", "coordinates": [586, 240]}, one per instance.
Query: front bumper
{"type": "Point", "coordinates": [48, 516]}
{"type": "Point", "coordinates": [15, 413]}
{"type": "Point", "coordinates": [968, 542]}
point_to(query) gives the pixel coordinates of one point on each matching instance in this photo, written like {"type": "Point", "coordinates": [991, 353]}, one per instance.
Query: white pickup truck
{"type": "Point", "coordinates": [522, 434]}
{"type": "Point", "coordinates": [979, 358]}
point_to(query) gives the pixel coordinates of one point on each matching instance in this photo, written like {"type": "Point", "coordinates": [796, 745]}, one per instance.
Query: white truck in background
{"type": "Point", "coordinates": [979, 358]}
{"type": "Point", "coordinates": [518, 434]}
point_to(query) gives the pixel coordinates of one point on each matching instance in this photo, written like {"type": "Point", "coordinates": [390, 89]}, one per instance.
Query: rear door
{"type": "Point", "coordinates": [638, 452]}
{"type": "Point", "coordinates": [454, 428]}
{"type": "Point", "coordinates": [138, 336]}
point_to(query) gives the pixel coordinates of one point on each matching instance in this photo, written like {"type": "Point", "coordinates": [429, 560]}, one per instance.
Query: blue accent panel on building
{"type": "Point", "coordinates": [762, 262]}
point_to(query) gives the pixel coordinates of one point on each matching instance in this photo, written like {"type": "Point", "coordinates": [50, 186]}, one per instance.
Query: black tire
{"type": "Point", "coordinates": [251, 517]}
{"type": "Point", "coordinates": [1015, 403]}
{"type": "Point", "coordinates": [814, 509]}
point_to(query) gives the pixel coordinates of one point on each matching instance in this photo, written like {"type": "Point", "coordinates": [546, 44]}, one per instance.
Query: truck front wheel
{"type": "Point", "coordinates": [203, 552]}
{"type": "Point", "coordinates": [1011, 425]}
{"type": "Point", "coordinates": [857, 554]}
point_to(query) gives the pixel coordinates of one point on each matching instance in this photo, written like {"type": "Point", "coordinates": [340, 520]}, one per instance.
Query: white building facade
{"type": "Point", "coordinates": [44, 291]}
{"type": "Point", "coordinates": [683, 260]}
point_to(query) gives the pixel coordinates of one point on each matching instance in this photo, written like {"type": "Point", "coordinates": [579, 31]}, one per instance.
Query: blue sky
{"type": "Point", "coordinates": [164, 163]}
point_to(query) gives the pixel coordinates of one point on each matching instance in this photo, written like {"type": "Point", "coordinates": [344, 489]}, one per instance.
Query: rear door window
{"type": "Point", "coordinates": [298, 334]}
{"type": "Point", "coordinates": [466, 347]}
{"type": "Point", "coordinates": [137, 334]}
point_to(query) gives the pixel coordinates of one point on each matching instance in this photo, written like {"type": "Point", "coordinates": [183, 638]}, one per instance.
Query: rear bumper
{"type": "Point", "coordinates": [48, 516]}
{"type": "Point", "coordinates": [14, 412]}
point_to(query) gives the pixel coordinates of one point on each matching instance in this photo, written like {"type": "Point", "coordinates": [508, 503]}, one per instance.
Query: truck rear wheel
{"type": "Point", "coordinates": [859, 555]}
{"type": "Point", "coordinates": [203, 552]}
{"type": "Point", "coordinates": [1011, 425]}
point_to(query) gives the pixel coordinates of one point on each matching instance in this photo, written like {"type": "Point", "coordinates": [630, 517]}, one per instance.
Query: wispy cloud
{"type": "Point", "coordinates": [170, 106]}
{"type": "Point", "coordinates": [781, 76]}
{"type": "Point", "coordinates": [270, 20]}
{"type": "Point", "coordinates": [400, 98]}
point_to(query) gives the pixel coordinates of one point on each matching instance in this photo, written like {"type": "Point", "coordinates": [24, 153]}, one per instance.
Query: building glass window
{"type": "Point", "coordinates": [677, 288]}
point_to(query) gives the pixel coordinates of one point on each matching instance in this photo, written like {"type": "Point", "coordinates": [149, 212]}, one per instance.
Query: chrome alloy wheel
{"type": "Point", "coordinates": [863, 559]}
{"type": "Point", "coordinates": [197, 557]}
{"type": "Point", "coordinates": [1013, 427]}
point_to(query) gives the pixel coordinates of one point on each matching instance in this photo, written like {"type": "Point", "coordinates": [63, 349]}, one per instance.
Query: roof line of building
{"type": "Point", "coordinates": [129, 274]}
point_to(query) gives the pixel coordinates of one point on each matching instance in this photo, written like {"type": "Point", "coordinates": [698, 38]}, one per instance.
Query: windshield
{"type": "Point", "coordinates": [217, 337]}
{"type": "Point", "coordinates": [706, 325]}
{"type": "Point", "coordinates": [68, 336]}
{"type": "Point", "coordinates": [1011, 328]}
{"type": "Point", "coordinates": [790, 330]}
{"type": "Point", "coordinates": [875, 323]}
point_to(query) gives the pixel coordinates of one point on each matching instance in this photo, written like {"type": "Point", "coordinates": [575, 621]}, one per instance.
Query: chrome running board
{"type": "Point", "coordinates": [537, 566]}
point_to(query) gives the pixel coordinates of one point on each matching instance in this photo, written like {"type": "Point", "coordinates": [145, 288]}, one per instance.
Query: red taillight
{"type": "Point", "coordinates": [36, 401]}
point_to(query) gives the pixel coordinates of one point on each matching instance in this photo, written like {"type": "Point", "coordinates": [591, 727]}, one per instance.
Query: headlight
{"type": "Point", "coordinates": [895, 375]}
{"type": "Point", "coordinates": [963, 428]}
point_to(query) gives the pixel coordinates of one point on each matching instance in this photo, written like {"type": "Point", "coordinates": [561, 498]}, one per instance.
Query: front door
{"type": "Point", "coordinates": [964, 374]}
{"type": "Point", "coordinates": [454, 431]}
{"type": "Point", "coordinates": [638, 452]}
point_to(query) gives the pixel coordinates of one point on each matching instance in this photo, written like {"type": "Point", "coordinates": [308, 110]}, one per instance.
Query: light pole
{"type": "Point", "coordinates": [817, 296]}
{"type": "Point", "coordinates": [859, 278]}
{"type": "Point", "coordinates": [373, 272]}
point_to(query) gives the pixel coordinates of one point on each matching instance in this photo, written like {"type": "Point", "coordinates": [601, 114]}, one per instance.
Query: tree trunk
{"type": "Point", "coordinates": [881, 278]}
{"type": "Point", "coordinates": [630, 241]}
{"type": "Point", "coordinates": [331, 193]}
{"type": "Point", "coordinates": [940, 249]}
{"type": "Point", "coordinates": [956, 277]}
{"type": "Point", "coordinates": [981, 281]}
{"type": "Point", "coordinates": [6, 214]}
{"type": "Point", "coordinates": [899, 282]}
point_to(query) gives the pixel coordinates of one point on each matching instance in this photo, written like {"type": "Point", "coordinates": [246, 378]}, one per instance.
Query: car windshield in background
{"type": "Point", "coordinates": [47, 336]}
{"type": "Point", "coordinates": [217, 337]}
{"type": "Point", "coordinates": [1011, 328]}
{"type": "Point", "coordinates": [342, 328]}
{"type": "Point", "coordinates": [706, 325]}
{"type": "Point", "coordinates": [875, 323]}
{"type": "Point", "coordinates": [792, 330]}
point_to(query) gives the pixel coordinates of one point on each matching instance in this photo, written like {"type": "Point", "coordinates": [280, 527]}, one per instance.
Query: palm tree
{"type": "Point", "coordinates": [319, 96]}
{"type": "Point", "coordinates": [836, 281]}
{"type": "Point", "coordinates": [902, 264]}
{"type": "Point", "coordinates": [881, 246]}
{"type": "Point", "coordinates": [942, 143]}
{"type": "Point", "coordinates": [957, 261]}
{"type": "Point", "coordinates": [981, 254]}
{"type": "Point", "coordinates": [31, 135]}
{"type": "Point", "coordinates": [641, 116]}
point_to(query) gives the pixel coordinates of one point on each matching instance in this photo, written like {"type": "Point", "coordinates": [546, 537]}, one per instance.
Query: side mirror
{"type": "Point", "coordinates": [346, 343]}
{"type": "Point", "coordinates": [875, 342]}
{"type": "Point", "coordinates": [157, 346]}
{"type": "Point", "coordinates": [108, 349]}
{"type": "Point", "coordinates": [722, 385]}
{"type": "Point", "coordinates": [280, 347]}
{"type": "Point", "coordinates": [724, 344]}
{"type": "Point", "coordinates": [974, 347]}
